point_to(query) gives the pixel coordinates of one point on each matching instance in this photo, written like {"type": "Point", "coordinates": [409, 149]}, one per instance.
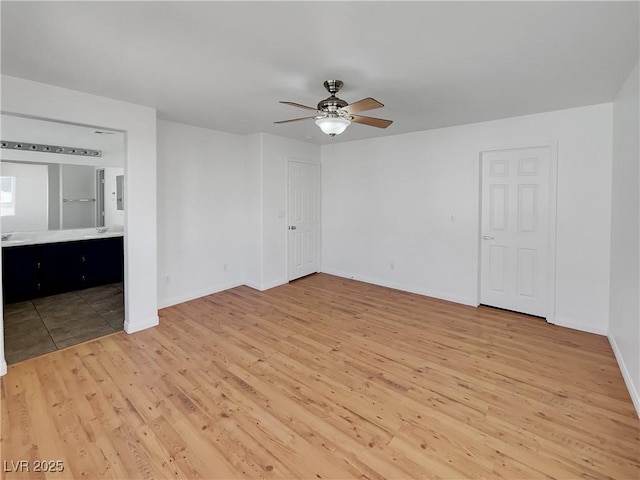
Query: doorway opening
{"type": "Point", "coordinates": [62, 258]}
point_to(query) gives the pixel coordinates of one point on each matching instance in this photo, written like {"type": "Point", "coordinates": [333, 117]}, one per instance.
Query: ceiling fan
{"type": "Point", "coordinates": [333, 115]}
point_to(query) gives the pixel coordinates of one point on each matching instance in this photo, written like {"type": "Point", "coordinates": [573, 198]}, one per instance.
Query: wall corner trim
{"type": "Point", "coordinates": [275, 283]}
{"type": "Point", "coordinates": [130, 327]}
{"type": "Point", "coordinates": [254, 285]}
{"type": "Point", "coordinates": [633, 393]}
{"type": "Point", "coordinates": [3, 367]}
{"type": "Point", "coordinates": [576, 325]}
{"type": "Point", "coordinates": [266, 286]}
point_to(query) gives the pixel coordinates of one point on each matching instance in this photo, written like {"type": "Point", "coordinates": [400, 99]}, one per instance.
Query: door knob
{"type": "Point", "coordinates": [487, 237]}
{"type": "Point", "coordinates": [292, 227]}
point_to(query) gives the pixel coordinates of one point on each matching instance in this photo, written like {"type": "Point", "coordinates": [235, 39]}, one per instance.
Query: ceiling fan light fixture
{"type": "Point", "coordinates": [333, 115]}
{"type": "Point", "coordinates": [333, 126]}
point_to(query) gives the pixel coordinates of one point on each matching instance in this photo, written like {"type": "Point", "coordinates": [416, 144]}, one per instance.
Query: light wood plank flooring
{"type": "Point", "coordinates": [326, 378]}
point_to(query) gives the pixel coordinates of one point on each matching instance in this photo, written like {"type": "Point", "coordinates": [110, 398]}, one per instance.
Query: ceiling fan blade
{"type": "Point", "coordinates": [294, 104]}
{"type": "Point", "coordinates": [362, 105]}
{"type": "Point", "coordinates": [372, 122]}
{"type": "Point", "coordinates": [294, 120]}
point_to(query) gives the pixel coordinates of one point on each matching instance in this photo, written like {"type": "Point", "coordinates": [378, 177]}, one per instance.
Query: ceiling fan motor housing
{"type": "Point", "coordinates": [333, 103]}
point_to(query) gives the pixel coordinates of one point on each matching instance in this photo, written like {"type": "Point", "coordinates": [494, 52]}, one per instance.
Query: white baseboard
{"type": "Point", "coordinates": [275, 283]}
{"type": "Point", "coordinates": [168, 302]}
{"type": "Point", "coordinates": [3, 367]}
{"type": "Point", "coordinates": [575, 325]}
{"type": "Point", "coordinates": [633, 393]}
{"type": "Point", "coordinates": [254, 285]}
{"type": "Point", "coordinates": [405, 288]}
{"type": "Point", "coordinates": [143, 325]}
{"type": "Point", "coordinates": [266, 286]}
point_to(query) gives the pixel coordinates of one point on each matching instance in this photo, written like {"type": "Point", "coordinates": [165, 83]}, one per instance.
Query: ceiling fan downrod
{"type": "Point", "coordinates": [333, 86]}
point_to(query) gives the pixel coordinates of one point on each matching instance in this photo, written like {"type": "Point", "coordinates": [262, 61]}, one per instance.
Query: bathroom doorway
{"type": "Point", "coordinates": [63, 259]}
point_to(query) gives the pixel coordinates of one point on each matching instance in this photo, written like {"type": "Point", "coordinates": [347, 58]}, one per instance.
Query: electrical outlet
{"type": "Point", "coordinates": [224, 267]}
{"type": "Point", "coordinates": [167, 279]}
{"type": "Point", "coordinates": [392, 266]}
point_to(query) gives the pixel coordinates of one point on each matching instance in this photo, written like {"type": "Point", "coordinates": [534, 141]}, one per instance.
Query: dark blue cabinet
{"type": "Point", "coordinates": [103, 261]}
{"type": "Point", "coordinates": [60, 267]}
{"type": "Point", "coordinates": [20, 273]}
{"type": "Point", "coordinates": [32, 271]}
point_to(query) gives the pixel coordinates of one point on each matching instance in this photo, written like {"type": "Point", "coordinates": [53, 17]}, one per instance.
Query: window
{"type": "Point", "coordinates": [7, 196]}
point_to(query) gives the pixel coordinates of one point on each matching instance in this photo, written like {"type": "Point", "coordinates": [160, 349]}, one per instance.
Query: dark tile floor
{"type": "Point", "coordinates": [46, 324]}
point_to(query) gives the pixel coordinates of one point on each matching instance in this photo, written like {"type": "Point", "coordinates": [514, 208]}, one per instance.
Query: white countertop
{"type": "Point", "coordinates": [55, 236]}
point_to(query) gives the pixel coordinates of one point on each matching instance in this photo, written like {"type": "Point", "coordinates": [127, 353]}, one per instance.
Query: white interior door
{"type": "Point", "coordinates": [515, 229]}
{"type": "Point", "coordinates": [304, 219]}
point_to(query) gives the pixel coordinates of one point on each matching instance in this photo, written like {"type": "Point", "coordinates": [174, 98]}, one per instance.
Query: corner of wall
{"type": "Point", "coordinates": [633, 393]}
{"type": "Point", "coordinates": [577, 325]}
{"type": "Point", "coordinates": [133, 327]}
{"type": "Point", "coordinates": [624, 293]}
{"type": "Point", "coordinates": [3, 360]}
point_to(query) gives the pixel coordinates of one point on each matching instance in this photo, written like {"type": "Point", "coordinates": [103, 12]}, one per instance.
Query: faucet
{"type": "Point", "coordinates": [6, 236]}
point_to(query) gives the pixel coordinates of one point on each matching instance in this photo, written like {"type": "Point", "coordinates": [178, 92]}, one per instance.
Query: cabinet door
{"type": "Point", "coordinates": [61, 267]}
{"type": "Point", "coordinates": [20, 273]}
{"type": "Point", "coordinates": [104, 261]}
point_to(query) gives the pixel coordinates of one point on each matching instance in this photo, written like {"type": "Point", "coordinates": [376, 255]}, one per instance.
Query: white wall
{"type": "Point", "coordinates": [201, 212]}
{"type": "Point", "coordinates": [275, 153]}
{"type": "Point", "coordinates": [31, 197]}
{"type": "Point", "coordinates": [624, 333]}
{"type": "Point", "coordinates": [388, 200]}
{"type": "Point", "coordinates": [266, 201]}
{"type": "Point", "coordinates": [253, 204]}
{"type": "Point", "coordinates": [24, 97]}
{"type": "Point", "coordinates": [222, 201]}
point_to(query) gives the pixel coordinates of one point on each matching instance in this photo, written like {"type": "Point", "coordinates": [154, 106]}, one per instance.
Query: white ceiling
{"type": "Point", "coordinates": [225, 65]}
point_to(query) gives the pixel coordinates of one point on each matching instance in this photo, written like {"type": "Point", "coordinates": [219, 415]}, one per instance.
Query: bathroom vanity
{"type": "Point", "coordinates": [37, 265]}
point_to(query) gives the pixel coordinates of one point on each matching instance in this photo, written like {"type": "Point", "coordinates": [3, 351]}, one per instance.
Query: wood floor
{"type": "Point", "coordinates": [325, 378]}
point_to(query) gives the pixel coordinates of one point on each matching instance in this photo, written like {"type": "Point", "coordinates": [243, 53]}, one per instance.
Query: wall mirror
{"type": "Point", "coordinates": [41, 189]}
{"type": "Point", "coordinates": [120, 192]}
